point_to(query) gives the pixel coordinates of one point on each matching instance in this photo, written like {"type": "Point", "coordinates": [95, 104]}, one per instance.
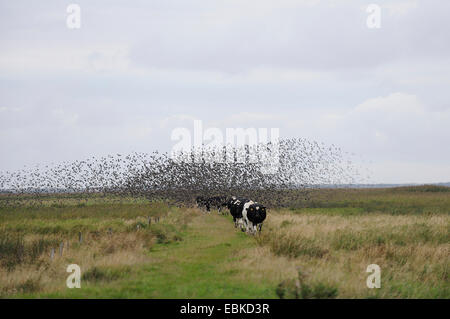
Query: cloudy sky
{"type": "Point", "coordinates": [135, 70]}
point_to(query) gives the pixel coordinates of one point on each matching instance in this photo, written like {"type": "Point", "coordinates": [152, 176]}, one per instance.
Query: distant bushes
{"type": "Point", "coordinates": [76, 210]}
{"type": "Point", "coordinates": [375, 205]}
{"type": "Point", "coordinates": [424, 188]}
{"type": "Point", "coordinates": [432, 199]}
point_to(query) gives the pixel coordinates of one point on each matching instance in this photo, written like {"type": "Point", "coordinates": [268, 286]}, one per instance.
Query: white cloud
{"type": "Point", "coordinates": [395, 103]}
{"type": "Point", "coordinates": [64, 117]}
{"type": "Point", "coordinates": [408, 172]}
{"type": "Point", "coordinates": [400, 8]}
{"type": "Point", "coordinates": [251, 119]}
{"type": "Point", "coordinates": [59, 59]}
{"type": "Point", "coordinates": [177, 120]}
{"type": "Point", "coordinates": [311, 68]}
{"type": "Point", "coordinates": [396, 126]}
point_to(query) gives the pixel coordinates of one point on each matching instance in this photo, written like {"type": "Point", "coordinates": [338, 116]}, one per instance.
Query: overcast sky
{"type": "Point", "coordinates": [135, 70]}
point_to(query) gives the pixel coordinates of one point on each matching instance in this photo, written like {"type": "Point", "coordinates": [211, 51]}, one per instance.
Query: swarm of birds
{"type": "Point", "coordinates": [270, 173]}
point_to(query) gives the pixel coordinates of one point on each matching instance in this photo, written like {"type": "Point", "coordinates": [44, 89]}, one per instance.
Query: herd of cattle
{"type": "Point", "coordinates": [247, 214]}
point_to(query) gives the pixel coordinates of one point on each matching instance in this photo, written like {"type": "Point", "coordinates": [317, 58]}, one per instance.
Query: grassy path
{"type": "Point", "coordinates": [195, 267]}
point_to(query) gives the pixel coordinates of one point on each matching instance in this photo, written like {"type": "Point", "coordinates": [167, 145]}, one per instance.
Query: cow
{"type": "Point", "coordinates": [218, 202]}
{"type": "Point", "coordinates": [230, 203]}
{"type": "Point", "coordinates": [236, 205]}
{"type": "Point", "coordinates": [202, 202]}
{"type": "Point", "coordinates": [253, 215]}
{"type": "Point", "coordinates": [199, 201]}
{"type": "Point", "coordinates": [207, 202]}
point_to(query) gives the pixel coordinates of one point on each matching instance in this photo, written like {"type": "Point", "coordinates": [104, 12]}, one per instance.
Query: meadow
{"type": "Point", "coordinates": [317, 248]}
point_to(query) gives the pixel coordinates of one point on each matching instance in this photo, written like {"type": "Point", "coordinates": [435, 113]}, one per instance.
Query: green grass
{"type": "Point", "coordinates": [188, 254]}
{"type": "Point", "coordinates": [192, 268]}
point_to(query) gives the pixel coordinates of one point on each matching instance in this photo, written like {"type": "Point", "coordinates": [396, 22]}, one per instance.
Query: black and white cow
{"type": "Point", "coordinates": [207, 202]}
{"type": "Point", "coordinates": [247, 214]}
{"type": "Point", "coordinates": [218, 202]}
{"type": "Point", "coordinates": [199, 200]}
{"type": "Point", "coordinates": [253, 215]}
{"type": "Point", "coordinates": [236, 205]}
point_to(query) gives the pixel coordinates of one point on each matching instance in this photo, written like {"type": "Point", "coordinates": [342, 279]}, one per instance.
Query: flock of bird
{"type": "Point", "coordinates": [271, 177]}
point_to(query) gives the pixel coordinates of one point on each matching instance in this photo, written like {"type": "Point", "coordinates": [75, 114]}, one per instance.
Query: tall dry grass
{"type": "Point", "coordinates": [112, 246]}
{"type": "Point", "coordinates": [334, 251]}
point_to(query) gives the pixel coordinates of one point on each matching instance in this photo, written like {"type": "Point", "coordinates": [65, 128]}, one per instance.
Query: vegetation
{"type": "Point", "coordinates": [318, 248]}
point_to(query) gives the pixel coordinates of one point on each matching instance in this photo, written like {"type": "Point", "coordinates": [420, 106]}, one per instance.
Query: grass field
{"type": "Point", "coordinates": [317, 249]}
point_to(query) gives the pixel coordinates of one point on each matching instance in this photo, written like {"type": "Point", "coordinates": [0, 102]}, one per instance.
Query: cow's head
{"type": "Point", "coordinates": [257, 208]}
{"type": "Point", "coordinates": [231, 201]}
